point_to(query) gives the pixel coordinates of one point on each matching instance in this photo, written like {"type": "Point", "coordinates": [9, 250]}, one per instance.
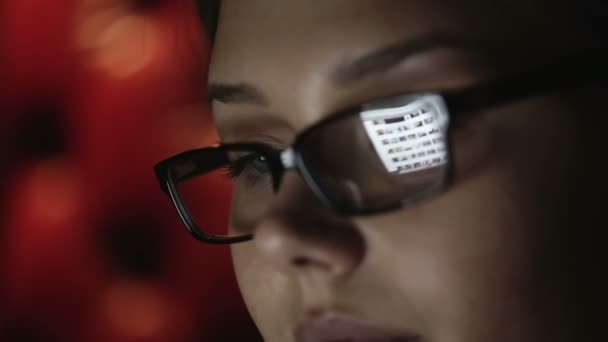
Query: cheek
{"type": "Point", "coordinates": [480, 260]}
{"type": "Point", "coordinates": [268, 294]}
{"type": "Point", "coordinates": [466, 262]}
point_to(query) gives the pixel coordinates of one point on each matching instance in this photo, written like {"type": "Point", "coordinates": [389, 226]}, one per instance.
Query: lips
{"type": "Point", "coordinates": [334, 327]}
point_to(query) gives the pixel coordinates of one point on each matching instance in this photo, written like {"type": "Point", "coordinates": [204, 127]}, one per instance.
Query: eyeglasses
{"type": "Point", "coordinates": [379, 156]}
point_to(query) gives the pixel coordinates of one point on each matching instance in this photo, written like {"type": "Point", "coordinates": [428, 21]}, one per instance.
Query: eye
{"type": "Point", "coordinates": [260, 163]}
{"type": "Point", "coordinates": [252, 164]}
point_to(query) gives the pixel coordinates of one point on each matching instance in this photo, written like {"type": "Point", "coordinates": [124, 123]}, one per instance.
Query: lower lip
{"type": "Point", "coordinates": [393, 339]}
{"type": "Point", "coordinates": [354, 339]}
{"type": "Point", "coordinates": [332, 329]}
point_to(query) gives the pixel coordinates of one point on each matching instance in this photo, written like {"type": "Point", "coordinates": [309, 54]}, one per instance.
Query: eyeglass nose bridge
{"type": "Point", "coordinates": [289, 162]}
{"type": "Point", "coordinates": [286, 161]}
{"type": "Point", "coordinates": [288, 158]}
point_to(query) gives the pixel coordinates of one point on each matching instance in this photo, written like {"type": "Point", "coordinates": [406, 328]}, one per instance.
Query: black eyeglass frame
{"type": "Point", "coordinates": [559, 76]}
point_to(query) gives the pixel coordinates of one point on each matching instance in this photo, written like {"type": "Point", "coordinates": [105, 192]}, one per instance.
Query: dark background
{"type": "Point", "coordinates": [92, 94]}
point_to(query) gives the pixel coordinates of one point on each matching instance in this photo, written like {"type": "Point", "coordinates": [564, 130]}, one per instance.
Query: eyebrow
{"type": "Point", "coordinates": [389, 57]}
{"type": "Point", "coordinates": [378, 61]}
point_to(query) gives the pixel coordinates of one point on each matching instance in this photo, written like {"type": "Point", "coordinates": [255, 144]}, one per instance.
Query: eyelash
{"type": "Point", "coordinates": [236, 168]}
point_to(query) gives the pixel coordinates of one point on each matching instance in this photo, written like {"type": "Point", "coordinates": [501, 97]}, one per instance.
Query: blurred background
{"type": "Point", "coordinates": [92, 94]}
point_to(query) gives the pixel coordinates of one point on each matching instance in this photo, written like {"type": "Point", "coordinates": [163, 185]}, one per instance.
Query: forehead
{"type": "Point", "coordinates": [275, 26]}
{"type": "Point", "coordinates": [265, 41]}
{"type": "Point", "coordinates": [291, 30]}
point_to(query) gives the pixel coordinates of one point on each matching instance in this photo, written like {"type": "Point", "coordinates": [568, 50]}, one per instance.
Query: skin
{"type": "Point", "coordinates": [510, 253]}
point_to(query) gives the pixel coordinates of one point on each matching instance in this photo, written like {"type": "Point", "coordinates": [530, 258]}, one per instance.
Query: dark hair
{"type": "Point", "coordinates": [592, 15]}
{"type": "Point", "coordinates": [589, 15]}
{"type": "Point", "coordinates": [208, 12]}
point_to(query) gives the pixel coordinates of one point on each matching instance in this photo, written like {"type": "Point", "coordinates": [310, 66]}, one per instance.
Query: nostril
{"type": "Point", "coordinates": [301, 262]}
{"type": "Point", "coordinates": [304, 262]}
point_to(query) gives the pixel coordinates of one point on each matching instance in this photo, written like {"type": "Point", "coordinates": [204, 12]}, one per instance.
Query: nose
{"type": "Point", "coordinates": [300, 235]}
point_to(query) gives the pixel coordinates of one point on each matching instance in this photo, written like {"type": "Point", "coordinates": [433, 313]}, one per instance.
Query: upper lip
{"type": "Point", "coordinates": [340, 327]}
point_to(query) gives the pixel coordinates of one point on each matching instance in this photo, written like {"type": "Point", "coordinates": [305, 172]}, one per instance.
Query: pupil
{"type": "Point", "coordinates": [261, 164]}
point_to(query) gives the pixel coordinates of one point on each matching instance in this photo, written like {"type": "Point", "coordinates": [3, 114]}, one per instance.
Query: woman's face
{"type": "Point", "coordinates": [501, 256]}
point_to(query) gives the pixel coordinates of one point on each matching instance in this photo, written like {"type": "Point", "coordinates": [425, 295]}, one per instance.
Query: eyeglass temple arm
{"type": "Point", "coordinates": [575, 72]}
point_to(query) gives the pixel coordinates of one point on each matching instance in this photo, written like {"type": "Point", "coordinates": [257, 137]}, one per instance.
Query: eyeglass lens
{"type": "Point", "coordinates": [392, 151]}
